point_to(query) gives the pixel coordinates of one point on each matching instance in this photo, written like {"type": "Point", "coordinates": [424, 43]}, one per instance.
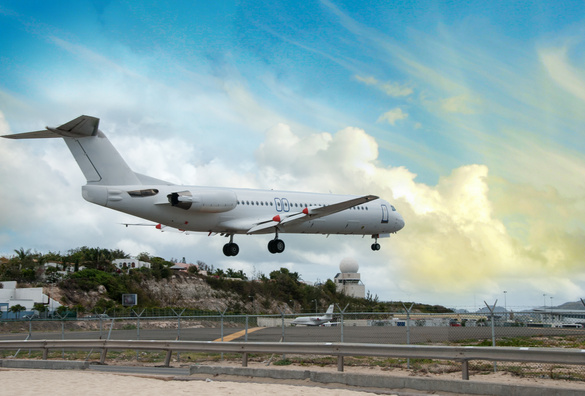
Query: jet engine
{"type": "Point", "coordinates": [208, 201]}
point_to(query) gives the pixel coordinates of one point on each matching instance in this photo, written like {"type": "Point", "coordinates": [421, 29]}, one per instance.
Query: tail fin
{"type": "Point", "coordinates": [329, 311]}
{"type": "Point", "coordinates": [99, 161]}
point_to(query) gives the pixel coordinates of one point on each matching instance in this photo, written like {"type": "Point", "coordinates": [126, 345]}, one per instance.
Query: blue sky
{"type": "Point", "coordinates": [468, 117]}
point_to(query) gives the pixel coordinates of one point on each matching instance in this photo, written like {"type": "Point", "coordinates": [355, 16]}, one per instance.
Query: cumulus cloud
{"type": "Point", "coordinates": [457, 238]}
{"type": "Point", "coordinates": [393, 115]}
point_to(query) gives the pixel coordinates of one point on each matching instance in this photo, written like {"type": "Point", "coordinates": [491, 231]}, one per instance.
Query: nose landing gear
{"type": "Point", "coordinates": [375, 245]}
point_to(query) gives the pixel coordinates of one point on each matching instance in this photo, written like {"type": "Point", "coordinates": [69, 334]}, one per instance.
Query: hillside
{"type": "Point", "coordinates": [85, 280]}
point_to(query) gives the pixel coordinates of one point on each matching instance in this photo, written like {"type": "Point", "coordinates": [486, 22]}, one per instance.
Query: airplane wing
{"type": "Point", "coordinates": [309, 214]}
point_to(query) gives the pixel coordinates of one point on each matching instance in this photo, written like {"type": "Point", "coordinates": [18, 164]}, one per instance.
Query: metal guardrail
{"type": "Point", "coordinates": [461, 354]}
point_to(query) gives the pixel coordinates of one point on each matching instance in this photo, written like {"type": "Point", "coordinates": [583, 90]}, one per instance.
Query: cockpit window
{"type": "Point", "coordinates": [149, 192]}
{"type": "Point", "coordinates": [393, 208]}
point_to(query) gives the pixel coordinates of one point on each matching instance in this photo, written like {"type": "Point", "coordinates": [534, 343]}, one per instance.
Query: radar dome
{"type": "Point", "coordinates": [349, 265]}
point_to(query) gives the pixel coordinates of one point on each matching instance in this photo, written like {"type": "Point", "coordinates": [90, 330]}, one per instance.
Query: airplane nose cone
{"type": "Point", "coordinates": [399, 223]}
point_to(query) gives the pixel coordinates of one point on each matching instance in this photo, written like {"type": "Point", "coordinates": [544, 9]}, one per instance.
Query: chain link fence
{"type": "Point", "coordinates": [522, 329]}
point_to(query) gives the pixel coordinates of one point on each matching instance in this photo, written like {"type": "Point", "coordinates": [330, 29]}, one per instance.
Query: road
{"type": "Point", "coordinates": [368, 334]}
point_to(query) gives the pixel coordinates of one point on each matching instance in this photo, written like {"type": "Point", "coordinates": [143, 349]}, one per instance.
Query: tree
{"type": "Point", "coordinates": [230, 273]}
{"type": "Point", "coordinates": [40, 307]}
{"type": "Point", "coordinates": [17, 309]}
{"type": "Point", "coordinates": [144, 256]}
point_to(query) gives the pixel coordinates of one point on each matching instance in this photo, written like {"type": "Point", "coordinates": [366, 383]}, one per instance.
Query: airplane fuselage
{"type": "Point", "coordinates": [231, 211]}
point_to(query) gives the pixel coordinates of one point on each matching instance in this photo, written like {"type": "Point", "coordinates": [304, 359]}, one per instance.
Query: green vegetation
{"type": "Point", "coordinates": [89, 271]}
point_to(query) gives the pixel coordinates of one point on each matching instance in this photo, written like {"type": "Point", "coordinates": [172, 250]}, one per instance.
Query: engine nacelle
{"type": "Point", "coordinates": [209, 201]}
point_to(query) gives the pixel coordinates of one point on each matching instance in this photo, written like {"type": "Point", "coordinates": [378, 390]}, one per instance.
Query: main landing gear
{"type": "Point", "coordinates": [375, 245]}
{"type": "Point", "coordinates": [276, 245]}
{"type": "Point", "coordinates": [231, 248]}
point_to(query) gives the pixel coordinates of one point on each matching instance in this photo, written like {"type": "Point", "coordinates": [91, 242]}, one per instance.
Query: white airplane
{"type": "Point", "coordinates": [215, 210]}
{"type": "Point", "coordinates": [314, 320]}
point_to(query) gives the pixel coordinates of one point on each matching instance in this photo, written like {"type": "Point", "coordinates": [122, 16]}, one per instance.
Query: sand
{"type": "Point", "coordinates": [49, 382]}
{"type": "Point", "coordinates": [71, 382]}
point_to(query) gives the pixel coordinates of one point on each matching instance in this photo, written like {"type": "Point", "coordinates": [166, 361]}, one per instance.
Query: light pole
{"type": "Point", "coordinates": [505, 305]}
{"type": "Point", "coordinates": [551, 310]}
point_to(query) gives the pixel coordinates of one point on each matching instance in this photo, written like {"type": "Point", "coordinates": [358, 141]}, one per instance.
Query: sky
{"type": "Point", "coordinates": [467, 117]}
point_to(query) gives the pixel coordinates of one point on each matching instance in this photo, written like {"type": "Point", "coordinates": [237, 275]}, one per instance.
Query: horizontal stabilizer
{"type": "Point", "coordinates": [82, 126]}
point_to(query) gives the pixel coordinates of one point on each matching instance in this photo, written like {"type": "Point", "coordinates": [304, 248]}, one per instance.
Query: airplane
{"type": "Point", "coordinates": [214, 210]}
{"type": "Point", "coordinates": [314, 320]}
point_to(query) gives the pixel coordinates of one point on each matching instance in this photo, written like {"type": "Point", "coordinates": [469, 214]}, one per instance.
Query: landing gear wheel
{"type": "Point", "coordinates": [279, 245]}
{"type": "Point", "coordinates": [231, 249]}
{"type": "Point", "coordinates": [276, 246]}
{"type": "Point", "coordinates": [375, 246]}
{"type": "Point", "coordinates": [271, 247]}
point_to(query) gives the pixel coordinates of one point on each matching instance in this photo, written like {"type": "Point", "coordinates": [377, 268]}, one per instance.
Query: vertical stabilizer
{"type": "Point", "coordinates": [99, 161]}
{"type": "Point", "coordinates": [329, 312]}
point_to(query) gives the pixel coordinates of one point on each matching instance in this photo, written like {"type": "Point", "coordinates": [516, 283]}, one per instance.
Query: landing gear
{"type": "Point", "coordinates": [231, 248]}
{"type": "Point", "coordinates": [375, 245]}
{"type": "Point", "coordinates": [276, 245]}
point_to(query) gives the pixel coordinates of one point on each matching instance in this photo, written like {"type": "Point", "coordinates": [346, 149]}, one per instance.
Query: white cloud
{"type": "Point", "coordinates": [393, 115]}
{"type": "Point", "coordinates": [458, 104]}
{"type": "Point", "coordinates": [390, 88]}
{"type": "Point", "coordinates": [559, 68]}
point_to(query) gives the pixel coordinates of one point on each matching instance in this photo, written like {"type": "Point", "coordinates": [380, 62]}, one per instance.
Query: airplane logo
{"type": "Point", "coordinates": [314, 320]}
{"type": "Point", "coordinates": [215, 210]}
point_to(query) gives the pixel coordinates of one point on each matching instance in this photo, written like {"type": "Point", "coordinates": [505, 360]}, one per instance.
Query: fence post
{"type": "Point", "coordinates": [342, 312]}
{"type": "Point", "coordinates": [408, 330]}
{"type": "Point", "coordinates": [246, 330]}
{"type": "Point", "coordinates": [178, 336]}
{"type": "Point", "coordinates": [221, 326]}
{"type": "Point", "coordinates": [282, 321]}
{"type": "Point", "coordinates": [491, 309]}
{"type": "Point", "coordinates": [138, 315]}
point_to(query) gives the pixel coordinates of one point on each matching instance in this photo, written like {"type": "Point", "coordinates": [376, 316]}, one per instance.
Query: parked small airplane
{"type": "Point", "coordinates": [215, 210]}
{"type": "Point", "coordinates": [314, 320]}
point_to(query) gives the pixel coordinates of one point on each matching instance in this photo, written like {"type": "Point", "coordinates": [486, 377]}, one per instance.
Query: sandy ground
{"type": "Point", "coordinates": [48, 382]}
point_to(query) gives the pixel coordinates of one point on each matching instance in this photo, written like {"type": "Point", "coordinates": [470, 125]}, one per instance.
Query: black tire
{"type": "Point", "coordinates": [226, 249]}
{"type": "Point", "coordinates": [234, 249]}
{"type": "Point", "coordinates": [375, 246]}
{"type": "Point", "coordinates": [271, 247]}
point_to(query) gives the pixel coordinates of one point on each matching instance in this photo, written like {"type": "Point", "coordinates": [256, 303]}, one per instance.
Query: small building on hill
{"type": "Point", "coordinates": [348, 281]}
{"type": "Point", "coordinates": [130, 263]}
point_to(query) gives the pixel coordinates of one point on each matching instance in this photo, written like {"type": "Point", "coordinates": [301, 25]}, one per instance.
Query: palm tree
{"type": "Point", "coordinates": [16, 309]}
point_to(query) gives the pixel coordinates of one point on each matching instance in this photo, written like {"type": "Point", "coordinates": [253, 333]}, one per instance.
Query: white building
{"type": "Point", "coordinates": [27, 297]}
{"type": "Point", "coordinates": [348, 281]}
{"type": "Point", "coordinates": [130, 263]}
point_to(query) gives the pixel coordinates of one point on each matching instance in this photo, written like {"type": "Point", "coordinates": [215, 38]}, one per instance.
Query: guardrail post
{"type": "Point", "coordinates": [45, 353]}
{"type": "Point", "coordinates": [245, 359]}
{"type": "Point", "coordinates": [103, 355]}
{"type": "Point", "coordinates": [168, 358]}
{"type": "Point", "coordinates": [465, 370]}
{"type": "Point", "coordinates": [340, 363]}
